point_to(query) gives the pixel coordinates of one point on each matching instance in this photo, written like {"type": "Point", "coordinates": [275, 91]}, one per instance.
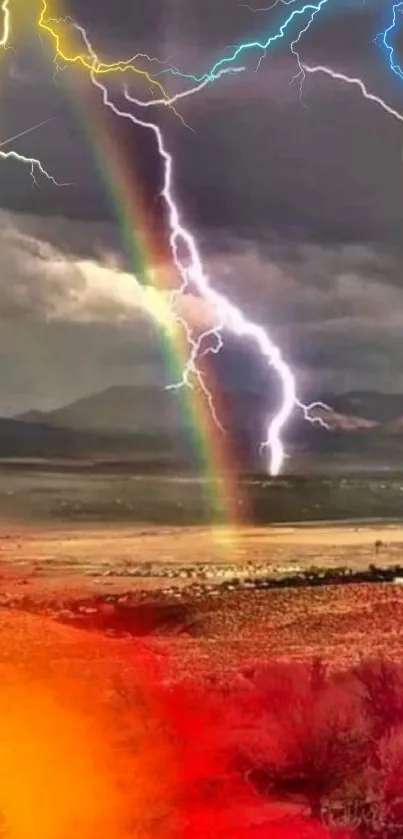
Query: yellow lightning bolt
{"type": "Point", "coordinates": [6, 23]}
{"type": "Point", "coordinates": [90, 61]}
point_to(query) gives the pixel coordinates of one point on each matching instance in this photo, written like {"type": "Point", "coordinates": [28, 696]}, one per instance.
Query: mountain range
{"type": "Point", "coordinates": [151, 425]}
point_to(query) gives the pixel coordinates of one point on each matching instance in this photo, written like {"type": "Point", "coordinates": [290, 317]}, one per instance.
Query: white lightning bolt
{"type": "Point", "coordinates": [266, 8]}
{"type": "Point", "coordinates": [191, 370]}
{"type": "Point", "coordinates": [357, 82]}
{"type": "Point", "coordinates": [34, 164]}
{"type": "Point", "coordinates": [229, 316]}
{"type": "Point", "coordinates": [184, 93]}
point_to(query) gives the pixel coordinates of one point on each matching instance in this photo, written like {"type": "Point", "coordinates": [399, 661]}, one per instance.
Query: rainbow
{"type": "Point", "coordinates": [224, 501]}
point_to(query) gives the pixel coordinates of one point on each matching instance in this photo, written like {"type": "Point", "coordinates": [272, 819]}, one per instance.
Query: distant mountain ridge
{"type": "Point", "coordinates": [160, 413]}
{"type": "Point", "coordinates": [152, 422]}
{"type": "Point", "coordinates": [134, 410]}
{"type": "Point", "coordinates": [117, 409]}
{"type": "Point", "coordinates": [22, 439]}
{"type": "Point", "coordinates": [130, 408]}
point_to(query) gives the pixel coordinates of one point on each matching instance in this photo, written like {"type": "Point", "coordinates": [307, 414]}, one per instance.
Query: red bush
{"type": "Point", "coordinates": [297, 733]}
{"type": "Point", "coordinates": [291, 738]}
{"type": "Point", "coordinates": [380, 688]}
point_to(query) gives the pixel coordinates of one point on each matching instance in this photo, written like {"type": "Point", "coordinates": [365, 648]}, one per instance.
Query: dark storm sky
{"type": "Point", "coordinates": [299, 206]}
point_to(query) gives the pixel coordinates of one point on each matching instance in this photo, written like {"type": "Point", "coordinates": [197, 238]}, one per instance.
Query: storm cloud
{"type": "Point", "coordinates": [298, 205]}
{"type": "Point", "coordinates": [336, 311]}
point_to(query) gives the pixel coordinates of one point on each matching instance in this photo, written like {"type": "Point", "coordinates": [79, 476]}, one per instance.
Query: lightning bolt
{"type": "Point", "coordinates": [267, 8]}
{"type": "Point", "coordinates": [293, 45]}
{"type": "Point", "coordinates": [6, 23]}
{"type": "Point", "coordinates": [91, 61]}
{"type": "Point", "coordinates": [34, 164]}
{"type": "Point", "coordinates": [184, 93]}
{"type": "Point", "coordinates": [188, 262]}
{"type": "Point", "coordinates": [192, 370]}
{"type": "Point", "coordinates": [356, 82]}
{"type": "Point", "coordinates": [383, 39]}
{"type": "Point", "coordinates": [184, 247]}
{"type": "Point", "coordinates": [263, 45]}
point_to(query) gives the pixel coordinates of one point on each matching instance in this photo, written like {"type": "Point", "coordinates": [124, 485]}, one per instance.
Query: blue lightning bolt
{"type": "Point", "coordinates": [383, 39]}
{"type": "Point", "coordinates": [264, 45]}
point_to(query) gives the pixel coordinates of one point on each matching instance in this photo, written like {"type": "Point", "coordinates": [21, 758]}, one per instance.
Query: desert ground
{"type": "Point", "coordinates": [115, 550]}
{"type": "Point", "coordinates": [100, 624]}
{"type": "Point", "coordinates": [95, 551]}
{"type": "Point", "coordinates": [163, 587]}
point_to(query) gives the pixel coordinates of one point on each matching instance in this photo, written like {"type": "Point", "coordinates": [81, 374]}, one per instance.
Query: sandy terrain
{"type": "Point", "coordinates": [84, 577]}
{"type": "Point", "coordinates": [216, 635]}
{"type": "Point", "coordinates": [116, 556]}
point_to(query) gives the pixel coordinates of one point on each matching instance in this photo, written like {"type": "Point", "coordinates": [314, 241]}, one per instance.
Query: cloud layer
{"type": "Point", "coordinates": [74, 320]}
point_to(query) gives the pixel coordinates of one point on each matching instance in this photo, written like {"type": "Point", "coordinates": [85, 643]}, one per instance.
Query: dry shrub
{"type": "Point", "coordinates": [341, 746]}
{"type": "Point", "coordinates": [303, 734]}
{"type": "Point", "coordinates": [380, 689]}
{"type": "Point", "coordinates": [293, 737]}
{"type": "Point", "coordinates": [374, 807]}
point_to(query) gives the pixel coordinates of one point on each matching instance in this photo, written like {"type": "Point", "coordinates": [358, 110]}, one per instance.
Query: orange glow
{"type": "Point", "coordinates": [72, 766]}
